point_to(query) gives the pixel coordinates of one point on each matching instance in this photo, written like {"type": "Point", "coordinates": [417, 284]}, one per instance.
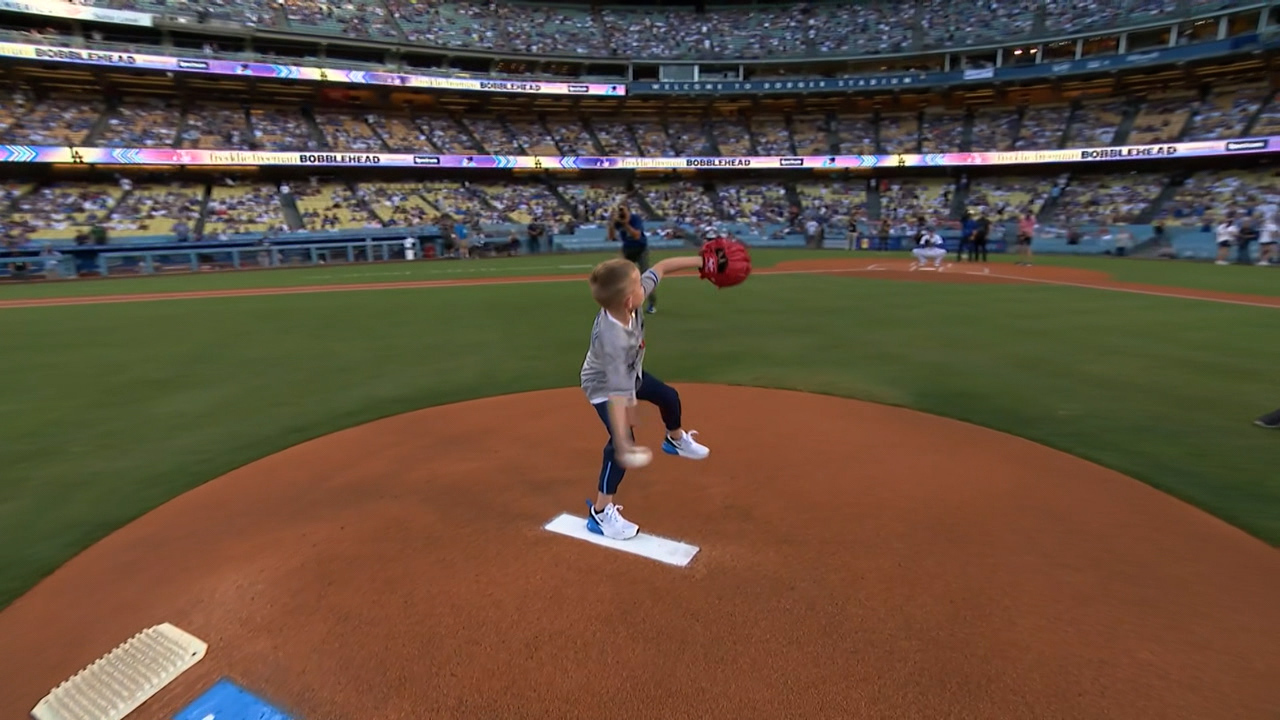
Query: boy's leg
{"type": "Point", "coordinates": [677, 441]}
{"type": "Point", "coordinates": [611, 471]}
{"type": "Point", "coordinates": [603, 516]}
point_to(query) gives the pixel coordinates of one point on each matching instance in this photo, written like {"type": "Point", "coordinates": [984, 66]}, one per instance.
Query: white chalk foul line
{"type": "Point", "coordinates": [1132, 291]}
{"type": "Point", "coordinates": [671, 552]}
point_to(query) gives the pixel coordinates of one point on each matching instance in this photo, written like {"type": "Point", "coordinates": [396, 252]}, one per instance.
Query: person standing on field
{"type": "Point", "coordinates": [1026, 231]}
{"type": "Point", "coordinates": [981, 230]}
{"type": "Point", "coordinates": [628, 228]}
{"type": "Point", "coordinates": [1225, 234]}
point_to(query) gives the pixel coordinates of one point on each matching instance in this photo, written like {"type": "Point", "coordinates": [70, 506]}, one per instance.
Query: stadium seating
{"type": "Point", "coordinates": [593, 202]}
{"type": "Point", "coordinates": [571, 137]}
{"type": "Point", "coordinates": [1162, 119]}
{"type": "Point", "coordinates": [1006, 197]}
{"type": "Point", "coordinates": [1095, 123]}
{"type": "Point", "coordinates": [811, 134]}
{"type": "Point", "coordinates": [994, 128]}
{"type": "Point", "coordinates": [835, 201]}
{"type": "Point", "coordinates": [243, 209]}
{"type": "Point", "coordinates": [1206, 197]}
{"type": "Point", "coordinates": [653, 139]}
{"type": "Point", "coordinates": [679, 202]}
{"type": "Point", "coordinates": [1043, 127]}
{"type": "Point", "coordinates": [281, 129]}
{"type": "Point", "coordinates": [857, 136]}
{"type": "Point", "coordinates": [62, 210]}
{"type": "Point", "coordinates": [618, 139]}
{"type": "Point", "coordinates": [943, 131]}
{"type": "Point", "coordinates": [521, 204]}
{"type": "Point", "coordinates": [907, 199]}
{"type": "Point", "coordinates": [360, 18]}
{"type": "Point", "coordinates": [154, 210]}
{"type": "Point", "coordinates": [348, 132]}
{"type": "Point", "coordinates": [399, 203]}
{"type": "Point", "coordinates": [459, 201]}
{"type": "Point", "coordinates": [332, 206]}
{"type": "Point", "coordinates": [1227, 112]}
{"type": "Point", "coordinates": [1109, 198]}
{"type": "Point", "coordinates": [900, 133]}
{"type": "Point", "coordinates": [216, 127]}
{"type": "Point", "coordinates": [770, 30]}
{"type": "Point", "coordinates": [141, 124]}
{"type": "Point", "coordinates": [759, 208]}
{"type": "Point", "coordinates": [731, 136]}
{"type": "Point", "coordinates": [755, 204]}
{"type": "Point", "coordinates": [51, 121]}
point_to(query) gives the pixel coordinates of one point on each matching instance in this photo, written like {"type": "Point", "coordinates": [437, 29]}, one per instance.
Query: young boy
{"type": "Point", "coordinates": [613, 379]}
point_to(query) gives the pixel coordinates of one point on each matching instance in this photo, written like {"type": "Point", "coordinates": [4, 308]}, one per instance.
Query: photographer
{"type": "Point", "coordinates": [629, 228]}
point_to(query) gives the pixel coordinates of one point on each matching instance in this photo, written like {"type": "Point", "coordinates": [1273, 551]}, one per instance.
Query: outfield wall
{"type": "Point", "coordinates": [148, 255]}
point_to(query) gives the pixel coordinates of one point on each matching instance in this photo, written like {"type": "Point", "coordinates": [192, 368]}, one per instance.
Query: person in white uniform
{"type": "Point", "coordinates": [930, 249]}
{"type": "Point", "coordinates": [1268, 239]}
{"type": "Point", "coordinates": [1226, 233]}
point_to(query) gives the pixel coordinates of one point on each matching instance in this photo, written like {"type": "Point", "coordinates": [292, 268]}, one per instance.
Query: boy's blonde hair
{"type": "Point", "coordinates": [610, 282]}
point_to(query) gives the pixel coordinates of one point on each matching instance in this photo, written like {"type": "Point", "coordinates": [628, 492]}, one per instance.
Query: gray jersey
{"type": "Point", "coordinates": [616, 356]}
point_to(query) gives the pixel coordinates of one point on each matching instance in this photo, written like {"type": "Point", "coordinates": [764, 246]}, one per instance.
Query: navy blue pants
{"type": "Point", "coordinates": [651, 390]}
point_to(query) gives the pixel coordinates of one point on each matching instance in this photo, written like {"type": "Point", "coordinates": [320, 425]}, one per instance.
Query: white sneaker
{"type": "Point", "coordinates": [686, 447]}
{"type": "Point", "coordinates": [1222, 262]}
{"type": "Point", "coordinates": [610, 523]}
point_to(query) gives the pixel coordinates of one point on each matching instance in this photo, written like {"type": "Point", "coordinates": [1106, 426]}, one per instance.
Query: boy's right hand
{"type": "Point", "coordinates": [633, 456]}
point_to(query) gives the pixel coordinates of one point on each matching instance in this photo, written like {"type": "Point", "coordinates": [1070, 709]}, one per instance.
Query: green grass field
{"type": "Point", "coordinates": [110, 410]}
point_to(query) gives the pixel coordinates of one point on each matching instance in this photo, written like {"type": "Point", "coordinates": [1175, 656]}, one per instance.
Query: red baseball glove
{"type": "Point", "coordinates": [725, 262]}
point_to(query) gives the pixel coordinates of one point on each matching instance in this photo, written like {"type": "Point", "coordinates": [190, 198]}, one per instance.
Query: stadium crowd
{"type": "Point", "coordinates": [185, 210]}
{"type": "Point", "coordinates": [802, 28]}
{"type": "Point", "coordinates": [1226, 112]}
{"type": "Point", "coordinates": [63, 210]}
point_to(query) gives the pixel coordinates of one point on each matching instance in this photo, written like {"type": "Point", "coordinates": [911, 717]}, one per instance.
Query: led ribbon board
{"type": "Point", "coordinates": [195, 157]}
{"type": "Point", "coordinates": [213, 66]}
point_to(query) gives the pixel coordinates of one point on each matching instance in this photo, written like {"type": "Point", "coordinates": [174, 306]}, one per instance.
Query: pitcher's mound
{"type": "Point", "coordinates": [855, 561]}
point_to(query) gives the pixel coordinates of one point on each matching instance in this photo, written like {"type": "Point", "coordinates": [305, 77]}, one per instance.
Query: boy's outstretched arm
{"type": "Point", "coordinates": [675, 264]}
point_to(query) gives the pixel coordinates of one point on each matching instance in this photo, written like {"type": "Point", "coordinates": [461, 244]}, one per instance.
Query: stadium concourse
{"type": "Point", "coordinates": [125, 207]}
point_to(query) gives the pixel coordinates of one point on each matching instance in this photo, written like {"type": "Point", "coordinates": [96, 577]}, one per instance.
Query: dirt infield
{"type": "Point", "coordinates": [875, 562]}
{"type": "Point", "coordinates": [886, 269]}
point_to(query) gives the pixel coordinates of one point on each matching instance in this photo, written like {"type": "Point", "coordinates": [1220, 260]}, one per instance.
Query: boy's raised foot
{"type": "Point", "coordinates": [685, 446]}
